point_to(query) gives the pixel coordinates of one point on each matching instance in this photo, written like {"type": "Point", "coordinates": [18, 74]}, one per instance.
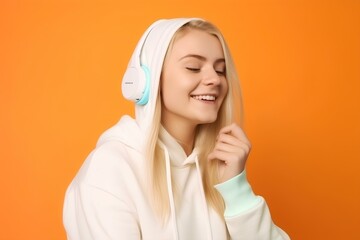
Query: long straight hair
{"type": "Point", "coordinates": [230, 111]}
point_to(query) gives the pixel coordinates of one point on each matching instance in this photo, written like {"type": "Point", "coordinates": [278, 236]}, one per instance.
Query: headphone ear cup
{"type": "Point", "coordinates": [136, 84]}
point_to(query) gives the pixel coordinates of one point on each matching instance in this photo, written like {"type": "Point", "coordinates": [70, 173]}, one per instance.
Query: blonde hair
{"type": "Point", "coordinates": [230, 111]}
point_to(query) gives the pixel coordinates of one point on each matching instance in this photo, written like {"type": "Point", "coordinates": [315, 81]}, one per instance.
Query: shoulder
{"type": "Point", "coordinates": [111, 167]}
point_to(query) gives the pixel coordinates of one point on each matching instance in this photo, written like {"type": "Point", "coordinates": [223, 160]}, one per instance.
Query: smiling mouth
{"type": "Point", "coordinates": [208, 98]}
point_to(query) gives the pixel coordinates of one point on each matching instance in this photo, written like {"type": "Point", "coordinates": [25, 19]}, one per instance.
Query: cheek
{"type": "Point", "coordinates": [177, 85]}
{"type": "Point", "coordinates": [168, 88]}
{"type": "Point", "coordinates": [170, 92]}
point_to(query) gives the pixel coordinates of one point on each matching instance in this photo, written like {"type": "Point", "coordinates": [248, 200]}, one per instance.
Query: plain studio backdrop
{"type": "Point", "coordinates": [61, 65]}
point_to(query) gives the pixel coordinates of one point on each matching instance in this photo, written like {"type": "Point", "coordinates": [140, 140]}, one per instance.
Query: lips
{"type": "Point", "coordinates": [204, 97]}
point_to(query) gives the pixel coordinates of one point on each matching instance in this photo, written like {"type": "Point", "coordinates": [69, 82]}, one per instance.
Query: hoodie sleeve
{"type": "Point", "coordinates": [97, 214]}
{"type": "Point", "coordinates": [96, 204]}
{"type": "Point", "coordinates": [247, 216]}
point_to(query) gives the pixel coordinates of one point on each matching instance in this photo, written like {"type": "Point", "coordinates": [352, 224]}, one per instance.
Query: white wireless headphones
{"type": "Point", "coordinates": [136, 80]}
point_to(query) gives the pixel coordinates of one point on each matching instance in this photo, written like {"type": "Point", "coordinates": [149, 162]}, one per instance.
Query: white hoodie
{"type": "Point", "coordinates": [108, 198]}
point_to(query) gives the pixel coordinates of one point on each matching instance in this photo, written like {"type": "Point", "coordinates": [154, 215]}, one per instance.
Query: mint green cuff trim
{"type": "Point", "coordinates": [237, 194]}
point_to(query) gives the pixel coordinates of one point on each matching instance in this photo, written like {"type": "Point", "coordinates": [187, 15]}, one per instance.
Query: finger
{"type": "Point", "coordinates": [231, 140]}
{"type": "Point", "coordinates": [237, 149]}
{"type": "Point", "coordinates": [234, 130]}
{"type": "Point", "coordinates": [224, 157]}
{"type": "Point", "coordinates": [227, 138]}
{"type": "Point", "coordinates": [225, 147]}
{"type": "Point", "coordinates": [219, 156]}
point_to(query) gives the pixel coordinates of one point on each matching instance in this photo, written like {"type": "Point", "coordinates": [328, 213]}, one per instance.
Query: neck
{"type": "Point", "coordinates": [183, 133]}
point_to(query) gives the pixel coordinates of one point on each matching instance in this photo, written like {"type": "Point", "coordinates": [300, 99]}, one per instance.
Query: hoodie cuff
{"type": "Point", "coordinates": [237, 194]}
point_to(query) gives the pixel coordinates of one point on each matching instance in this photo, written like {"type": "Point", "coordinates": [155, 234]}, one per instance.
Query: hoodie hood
{"type": "Point", "coordinates": [153, 55]}
{"type": "Point", "coordinates": [134, 133]}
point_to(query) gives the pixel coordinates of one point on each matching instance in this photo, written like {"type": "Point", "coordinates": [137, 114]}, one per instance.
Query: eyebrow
{"type": "Point", "coordinates": [202, 58]}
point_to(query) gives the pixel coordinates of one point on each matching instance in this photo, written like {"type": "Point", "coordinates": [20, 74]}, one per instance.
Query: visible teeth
{"type": "Point", "coordinates": [205, 97]}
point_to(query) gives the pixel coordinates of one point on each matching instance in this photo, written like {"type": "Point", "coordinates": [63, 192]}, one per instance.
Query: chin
{"type": "Point", "coordinates": [207, 120]}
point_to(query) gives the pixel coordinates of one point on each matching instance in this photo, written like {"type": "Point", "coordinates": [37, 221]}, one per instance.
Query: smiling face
{"type": "Point", "coordinates": [193, 82]}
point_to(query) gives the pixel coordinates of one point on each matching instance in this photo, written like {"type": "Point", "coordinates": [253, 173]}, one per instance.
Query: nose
{"type": "Point", "coordinates": [212, 77]}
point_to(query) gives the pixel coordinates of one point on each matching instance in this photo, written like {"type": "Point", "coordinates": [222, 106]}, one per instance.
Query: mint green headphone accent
{"type": "Point", "coordinates": [145, 97]}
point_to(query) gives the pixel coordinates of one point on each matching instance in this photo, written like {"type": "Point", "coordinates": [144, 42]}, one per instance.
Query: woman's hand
{"type": "Point", "coordinates": [231, 150]}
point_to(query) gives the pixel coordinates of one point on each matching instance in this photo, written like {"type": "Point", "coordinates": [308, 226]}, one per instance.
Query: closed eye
{"type": "Point", "coordinates": [193, 69]}
{"type": "Point", "coordinates": [220, 72]}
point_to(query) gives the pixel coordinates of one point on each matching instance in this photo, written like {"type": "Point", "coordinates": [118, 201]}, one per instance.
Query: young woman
{"type": "Point", "coordinates": [177, 171]}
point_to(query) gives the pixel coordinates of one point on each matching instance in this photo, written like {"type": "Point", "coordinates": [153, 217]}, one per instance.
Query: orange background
{"type": "Point", "coordinates": [61, 64]}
